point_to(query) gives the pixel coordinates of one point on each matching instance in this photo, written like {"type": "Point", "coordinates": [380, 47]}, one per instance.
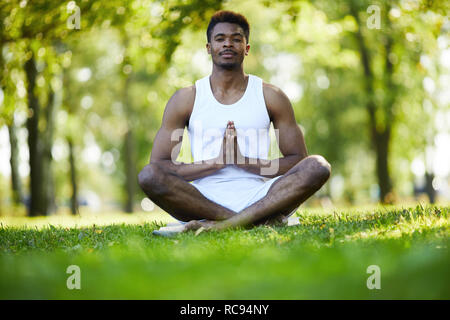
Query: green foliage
{"type": "Point", "coordinates": [140, 52]}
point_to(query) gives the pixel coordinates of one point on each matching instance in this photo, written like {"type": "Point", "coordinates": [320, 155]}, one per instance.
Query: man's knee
{"type": "Point", "coordinates": [320, 167]}
{"type": "Point", "coordinates": [151, 179]}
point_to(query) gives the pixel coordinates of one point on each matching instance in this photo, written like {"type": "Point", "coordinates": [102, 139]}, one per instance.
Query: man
{"type": "Point", "coordinates": [228, 175]}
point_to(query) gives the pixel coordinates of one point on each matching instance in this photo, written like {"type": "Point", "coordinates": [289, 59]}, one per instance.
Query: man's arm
{"type": "Point", "coordinates": [291, 141]}
{"type": "Point", "coordinates": [167, 143]}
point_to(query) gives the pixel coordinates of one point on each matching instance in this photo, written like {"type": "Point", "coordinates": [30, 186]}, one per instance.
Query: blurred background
{"type": "Point", "coordinates": [84, 85]}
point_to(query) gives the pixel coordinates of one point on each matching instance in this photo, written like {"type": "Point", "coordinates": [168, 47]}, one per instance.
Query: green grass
{"type": "Point", "coordinates": [325, 257]}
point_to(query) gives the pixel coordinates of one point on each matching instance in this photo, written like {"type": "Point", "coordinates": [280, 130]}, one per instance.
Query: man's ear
{"type": "Point", "coordinates": [208, 47]}
{"type": "Point", "coordinates": [247, 49]}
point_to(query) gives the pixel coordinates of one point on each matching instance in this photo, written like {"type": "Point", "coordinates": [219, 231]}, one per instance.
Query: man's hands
{"type": "Point", "coordinates": [229, 152]}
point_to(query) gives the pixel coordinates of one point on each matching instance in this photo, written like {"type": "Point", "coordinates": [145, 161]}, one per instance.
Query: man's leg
{"type": "Point", "coordinates": [288, 192]}
{"type": "Point", "coordinates": [178, 197]}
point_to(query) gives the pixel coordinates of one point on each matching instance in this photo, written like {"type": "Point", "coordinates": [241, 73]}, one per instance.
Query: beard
{"type": "Point", "coordinates": [228, 65]}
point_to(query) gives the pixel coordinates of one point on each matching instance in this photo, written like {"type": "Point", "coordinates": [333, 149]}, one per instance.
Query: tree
{"type": "Point", "coordinates": [37, 26]}
{"type": "Point", "coordinates": [386, 80]}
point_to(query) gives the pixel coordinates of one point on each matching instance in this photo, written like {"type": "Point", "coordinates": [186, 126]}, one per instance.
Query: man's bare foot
{"type": "Point", "coordinates": [277, 221]}
{"type": "Point", "coordinates": [281, 221]}
{"type": "Point", "coordinates": [195, 225]}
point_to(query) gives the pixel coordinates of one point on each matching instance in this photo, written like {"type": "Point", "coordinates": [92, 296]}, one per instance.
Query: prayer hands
{"type": "Point", "coordinates": [229, 152]}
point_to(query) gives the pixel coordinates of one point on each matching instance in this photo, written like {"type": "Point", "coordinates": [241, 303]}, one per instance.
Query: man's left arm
{"type": "Point", "coordinates": [290, 138]}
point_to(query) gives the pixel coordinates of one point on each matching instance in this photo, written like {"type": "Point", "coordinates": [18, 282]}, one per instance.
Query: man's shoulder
{"type": "Point", "coordinates": [272, 91]}
{"type": "Point", "coordinates": [185, 94]}
{"type": "Point", "coordinates": [274, 97]}
{"type": "Point", "coordinates": [183, 99]}
{"type": "Point", "coordinates": [181, 104]}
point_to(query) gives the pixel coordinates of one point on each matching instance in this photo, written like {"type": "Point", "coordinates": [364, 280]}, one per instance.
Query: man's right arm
{"type": "Point", "coordinates": [167, 143]}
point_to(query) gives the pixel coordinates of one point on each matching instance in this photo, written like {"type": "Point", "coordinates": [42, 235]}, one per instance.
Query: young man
{"type": "Point", "coordinates": [228, 115]}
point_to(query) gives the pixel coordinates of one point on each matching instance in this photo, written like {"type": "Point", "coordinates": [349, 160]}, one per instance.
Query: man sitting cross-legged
{"type": "Point", "coordinates": [231, 183]}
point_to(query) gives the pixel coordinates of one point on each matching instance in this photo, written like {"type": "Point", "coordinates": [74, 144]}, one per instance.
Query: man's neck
{"type": "Point", "coordinates": [225, 80]}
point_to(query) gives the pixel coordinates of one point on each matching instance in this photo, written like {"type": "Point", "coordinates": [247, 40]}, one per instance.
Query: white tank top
{"type": "Point", "coordinates": [209, 119]}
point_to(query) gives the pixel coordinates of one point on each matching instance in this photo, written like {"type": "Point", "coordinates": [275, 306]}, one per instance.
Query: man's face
{"type": "Point", "coordinates": [228, 45]}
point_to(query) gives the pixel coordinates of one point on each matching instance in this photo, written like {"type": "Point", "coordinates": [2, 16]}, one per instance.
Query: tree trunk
{"type": "Point", "coordinates": [47, 159]}
{"type": "Point", "coordinates": [381, 144]}
{"type": "Point", "coordinates": [71, 141]}
{"type": "Point", "coordinates": [37, 205]}
{"type": "Point", "coordinates": [39, 144]}
{"type": "Point", "coordinates": [16, 183]}
{"type": "Point", "coordinates": [130, 170]}
{"type": "Point", "coordinates": [431, 193]}
{"type": "Point", "coordinates": [73, 180]}
{"type": "Point", "coordinates": [380, 137]}
{"type": "Point", "coordinates": [129, 151]}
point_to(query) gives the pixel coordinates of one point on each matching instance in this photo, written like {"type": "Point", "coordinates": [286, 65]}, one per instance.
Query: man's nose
{"type": "Point", "coordinates": [227, 43]}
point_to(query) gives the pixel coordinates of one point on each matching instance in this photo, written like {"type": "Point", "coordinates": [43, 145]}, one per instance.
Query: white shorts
{"type": "Point", "coordinates": [235, 194]}
{"type": "Point", "coordinates": [234, 188]}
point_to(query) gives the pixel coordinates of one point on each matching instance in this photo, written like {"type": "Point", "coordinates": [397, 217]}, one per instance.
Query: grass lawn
{"type": "Point", "coordinates": [325, 257]}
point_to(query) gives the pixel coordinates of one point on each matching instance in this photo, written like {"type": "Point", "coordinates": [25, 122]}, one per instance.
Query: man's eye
{"type": "Point", "coordinates": [237, 40]}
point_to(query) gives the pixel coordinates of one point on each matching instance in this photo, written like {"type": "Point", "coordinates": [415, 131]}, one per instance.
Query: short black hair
{"type": "Point", "coordinates": [230, 17]}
